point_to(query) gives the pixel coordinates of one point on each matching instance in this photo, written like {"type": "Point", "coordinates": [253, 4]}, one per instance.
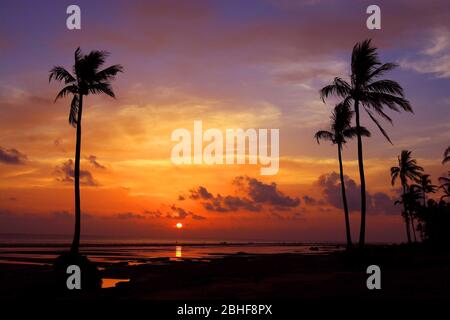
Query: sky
{"type": "Point", "coordinates": [230, 64]}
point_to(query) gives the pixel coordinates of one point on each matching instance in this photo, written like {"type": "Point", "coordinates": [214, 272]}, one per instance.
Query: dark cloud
{"type": "Point", "coordinates": [200, 193]}
{"type": "Point", "coordinates": [174, 213]}
{"type": "Point", "coordinates": [256, 196]}
{"type": "Point", "coordinates": [153, 213]}
{"type": "Point", "coordinates": [197, 217]}
{"type": "Point", "coordinates": [67, 174]}
{"type": "Point", "coordinates": [12, 156]}
{"type": "Point", "coordinates": [181, 198]}
{"type": "Point", "coordinates": [93, 160]}
{"type": "Point", "coordinates": [178, 213]}
{"type": "Point", "coordinates": [221, 203]}
{"type": "Point", "coordinates": [264, 193]}
{"type": "Point", "coordinates": [376, 203]}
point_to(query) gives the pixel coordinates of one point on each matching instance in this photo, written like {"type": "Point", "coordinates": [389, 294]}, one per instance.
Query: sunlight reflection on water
{"type": "Point", "coordinates": [178, 252]}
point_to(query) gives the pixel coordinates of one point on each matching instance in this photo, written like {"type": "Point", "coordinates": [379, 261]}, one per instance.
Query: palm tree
{"type": "Point", "coordinates": [446, 155]}
{"type": "Point", "coordinates": [368, 91]}
{"type": "Point", "coordinates": [86, 79]}
{"type": "Point", "coordinates": [407, 170]}
{"type": "Point", "coordinates": [424, 186]}
{"type": "Point", "coordinates": [410, 200]}
{"type": "Point", "coordinates": [340, 130]}
{"type": "Point", "coordinates": [445, 186]}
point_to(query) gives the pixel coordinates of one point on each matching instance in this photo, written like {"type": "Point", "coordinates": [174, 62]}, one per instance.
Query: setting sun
{"type": "Point", "coordinates": [179, 225]}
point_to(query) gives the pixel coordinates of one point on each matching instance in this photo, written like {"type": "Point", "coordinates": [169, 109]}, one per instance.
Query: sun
{"type": "Point", "coordinates": [179, 225]}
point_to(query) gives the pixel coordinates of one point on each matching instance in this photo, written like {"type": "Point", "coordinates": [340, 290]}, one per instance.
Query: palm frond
{"type": "Point", "coordinates": [94, 59]}
{"type": "Point", "coordinates": [379, 126]}
{"type": "Point", "coordinates": [60, 73]}
{"type": "Point", "coordinates": [324, 135]}
{"type": "Point", "coordinates": [364, 62]}
{"type": "Point", "coordinates": [352, 132]}
{"type": "Point", "coordinates": [73, 89]}
{"type": "Point", "coordinates": [378, 72]}
{"type": "Point", "coordinates": [395, 171]}
{"type": "Point", "coordinates": [101, 87]}
{"type": "Point", "coordinates": [338, 87]}
{"type": "Point", "coordinates": [108, 73]}
{"type": "Point", "coordinates": [73, 114]}
{"type": "Point", "coordinates": [446, 155]}
{"type": "Point", "coordinates": [386, 86]}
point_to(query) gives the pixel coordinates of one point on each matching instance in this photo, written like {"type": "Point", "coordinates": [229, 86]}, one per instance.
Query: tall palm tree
{"type": "Point", "coordinates": [85, 79]}
{"type": "Point", "coordinates": [407, 169]}
{"type": "Point", "coordinates": [425, 186]}
{"type": "Point", "coordinates": [368, 91]}
{"type": "Point", "coordinates": [340, 130]}
{"type": "Point", "coordinates": [446, 155]}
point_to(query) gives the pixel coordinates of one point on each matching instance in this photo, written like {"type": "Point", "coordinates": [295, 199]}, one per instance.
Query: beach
{"type": "Point", "coordinates": [313, 273]}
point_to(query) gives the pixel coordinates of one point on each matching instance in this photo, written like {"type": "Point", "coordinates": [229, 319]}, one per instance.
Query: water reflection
{"type": "Point", "coordinates": [111, 282]}
{"type": "Point", "coordinates": [178, 252]}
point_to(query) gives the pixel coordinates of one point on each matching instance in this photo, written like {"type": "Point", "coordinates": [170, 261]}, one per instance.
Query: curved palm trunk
{"type": "Point", "coordinates": [344, 200]}
{"type": "Point", "coordinates": [76, 236]}
{"type": "Point", "coordinates": [362, 231]}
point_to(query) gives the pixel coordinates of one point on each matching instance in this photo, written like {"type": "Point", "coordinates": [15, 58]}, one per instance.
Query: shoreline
{"type": "Point", "coordinates": [407, 272]}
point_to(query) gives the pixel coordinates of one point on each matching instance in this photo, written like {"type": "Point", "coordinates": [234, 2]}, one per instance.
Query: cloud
{"type": "Point", "coordinates": [93, 160]}
{"type": "Point", "coordinates": [66, 170]}
{"type": "Point", "coordinates": [12, 156]}
{"type": "Point", "coordinates": [180, 213]}
{"type": "Point", "coordinates": [263, 193]}
{"type": "Point", "coordinates": [435, 59]}
{"type": "Point", "coordinates": [256, 196]}
{"type": "Point", "coordinates": [379, 202]}
{"type": "Point", "coordinates": [200, 193]}
{"type": "Point", "coordinates": [174, 213]}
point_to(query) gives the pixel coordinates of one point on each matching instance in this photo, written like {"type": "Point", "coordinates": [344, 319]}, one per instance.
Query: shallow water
{"type": "Point", "coordinates": [129, 253]}
{"type": "Point", "coordinates": [111, 282]}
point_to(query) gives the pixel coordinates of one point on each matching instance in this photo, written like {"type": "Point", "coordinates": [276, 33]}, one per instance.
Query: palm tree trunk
{"type": "Point", "coordinates": [408, 231]}
{"type": "Point", "coordinates": [406, 216]}
{"type": "Point", "coordinates": [362, 231]}
{"type": "Point", "coordinates": [76, 236]}
{"type": "Point", "coordinates": [344, 200]}
{"type": "Point", "coordinates": [413, 227]}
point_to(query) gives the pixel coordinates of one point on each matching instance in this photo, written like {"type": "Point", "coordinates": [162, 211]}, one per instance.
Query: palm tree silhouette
{"type": "Point", "coordinates": [86, 79]}
{"type": "Point", "coordinates": [445, 186]}
{"type": "Point", "coordinates": [425, 186]}
{"type": "Point", "coordinates": [368, 91]}
{"type": "Point", "coordinates": [407, 169]}
{"type": "Point", "coordinates": [446, 155]}
{"type": "Point", "coordinates": [340, 130]}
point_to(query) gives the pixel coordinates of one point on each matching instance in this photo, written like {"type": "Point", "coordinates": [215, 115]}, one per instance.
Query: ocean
{"type": "Point", "coordinates": [43, 249]}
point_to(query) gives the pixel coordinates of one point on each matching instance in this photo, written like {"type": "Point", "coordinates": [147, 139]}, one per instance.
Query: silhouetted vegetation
{"type": "Point", "coordinates": [407, 171]}
{"type": "Point", "coordinates": [434, 222]}
{"type": "Point", "coordinates": [86, 79]}
{"type": "Point", "coordinates": [340, 130]}
{"type": "Point", "coordinates": [367, 91]}
{"type": "Point", "coordinates": [433, 216]}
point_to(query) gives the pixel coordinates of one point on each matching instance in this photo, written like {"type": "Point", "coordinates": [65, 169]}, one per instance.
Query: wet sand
{"type": "Point", "coordinates": [407, 273]}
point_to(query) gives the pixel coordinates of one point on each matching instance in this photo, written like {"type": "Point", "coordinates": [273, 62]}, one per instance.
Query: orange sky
{"type": "Point", "coordinates": [228, 76]}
